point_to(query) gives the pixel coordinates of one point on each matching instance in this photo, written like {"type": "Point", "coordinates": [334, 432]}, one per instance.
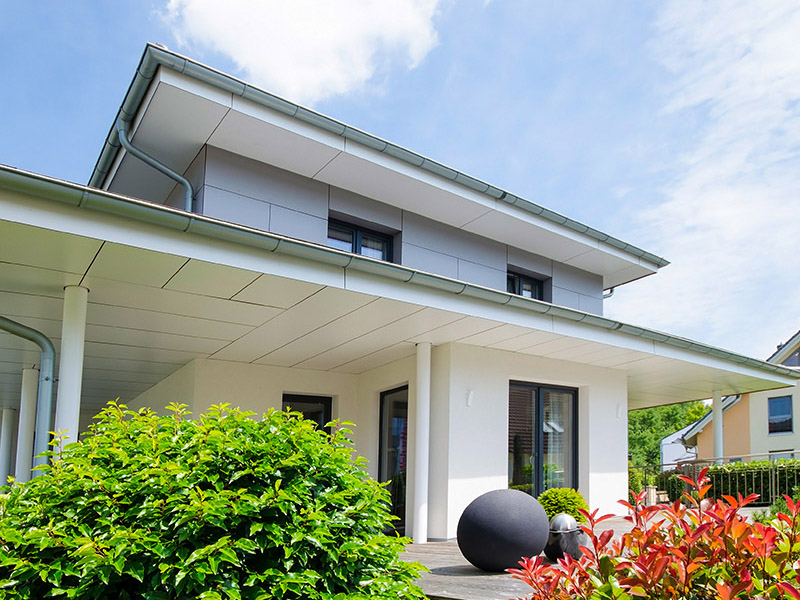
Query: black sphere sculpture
{"type": "Point", "coordinates": [498, 528]}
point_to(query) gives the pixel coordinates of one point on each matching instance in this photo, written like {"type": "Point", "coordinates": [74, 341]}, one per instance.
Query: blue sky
{"type": "Point", "coordinates": [674, 125]}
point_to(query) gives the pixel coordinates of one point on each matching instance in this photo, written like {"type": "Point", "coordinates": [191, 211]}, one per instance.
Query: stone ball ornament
{"type": "Point", "coordinates": [500, 527]}
{"type": "Point", "coordinates": [566, 538]}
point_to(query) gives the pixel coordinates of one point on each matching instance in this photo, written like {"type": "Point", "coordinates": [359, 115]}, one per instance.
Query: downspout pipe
{"type": "Point", "coordinates": [122, 132]}
{"type": "Point", "coordinates": [44, 400]}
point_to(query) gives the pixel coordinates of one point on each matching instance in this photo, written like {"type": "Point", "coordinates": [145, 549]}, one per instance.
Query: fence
{"type": "Point", "coordinates": [768, 475]}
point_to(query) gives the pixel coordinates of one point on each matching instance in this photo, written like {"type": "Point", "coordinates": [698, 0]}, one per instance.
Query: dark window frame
{"type": "Point", "coordinates": [538, 390]}
{"type": "Point", "coordinates": [515, 281]}
{"type": "Point", "coordinates": [358, 234]}
{"type": "Point", "coordinates": [780, 429]}
{"type": "Point", "coordinates": [326, 401]}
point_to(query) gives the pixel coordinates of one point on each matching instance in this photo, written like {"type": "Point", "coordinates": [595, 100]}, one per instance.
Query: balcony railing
{"type": "Point", "coordinates": [768, 475]}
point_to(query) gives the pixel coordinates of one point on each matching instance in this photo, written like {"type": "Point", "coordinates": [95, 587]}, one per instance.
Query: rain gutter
{"type": "Point", "coordinates": [155, 56]}
{"type": "Point", "coordinates": [44, 400]}
{"type": "Point", "coordinates": [164, 216]}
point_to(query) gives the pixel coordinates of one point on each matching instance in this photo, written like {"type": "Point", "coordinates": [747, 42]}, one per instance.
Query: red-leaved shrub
{"type": "Point", "coordinates": [693, 550]}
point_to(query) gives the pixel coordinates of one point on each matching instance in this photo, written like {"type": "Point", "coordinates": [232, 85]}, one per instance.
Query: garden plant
{"type": "Point", "coordinates": [564, 500]}
{"type": "Point", "coordinates": [695, 550]}
{"type": "Point", "coordinates": [224, 506]}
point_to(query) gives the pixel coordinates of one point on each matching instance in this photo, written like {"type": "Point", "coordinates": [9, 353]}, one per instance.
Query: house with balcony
{"type": "Point", "coordinates": [232, 246]}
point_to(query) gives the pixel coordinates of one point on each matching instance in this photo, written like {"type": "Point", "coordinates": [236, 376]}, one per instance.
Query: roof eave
{"type": "Point", "coordinates": [155, 56]}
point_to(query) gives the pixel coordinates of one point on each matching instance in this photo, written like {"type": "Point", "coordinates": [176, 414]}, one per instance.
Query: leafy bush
{"type": "Point", "coordinates": [221, 507]}
{"type": "Point", "coordinates": [563, 500]}
{"type": "Point", "coordinates": [779, 506]}
{"type": "Point", "coordinates": [708, 551]}
{"type": "Point", "coordinates": [635, 479]}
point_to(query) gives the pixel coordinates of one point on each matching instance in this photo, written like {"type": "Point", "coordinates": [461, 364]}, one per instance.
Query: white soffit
{"type": "Point", "coordinates": [138, 333]}
{"type": "Point", "coordinates": [173, 124]}
{"type": "Point", "coordinates": [245, 131]}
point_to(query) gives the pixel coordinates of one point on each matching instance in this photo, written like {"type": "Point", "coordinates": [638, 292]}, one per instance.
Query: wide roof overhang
{"type": "Point", "coordinates": [167, 287]}
{"type": "Point", "coordinates": [175, 106]}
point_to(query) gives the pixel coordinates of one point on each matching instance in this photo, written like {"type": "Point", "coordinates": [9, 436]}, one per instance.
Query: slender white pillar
{"type": "Point", "coordinates": [70, 371]}
{"type": "Point", "coordinates": [6, 437]}
{"type": "Point", "coordinates": [716, 418]}
{"type": "Point", "coordinates": [27, 424]}
{"type": "Point", "coordinates": [422, 426]}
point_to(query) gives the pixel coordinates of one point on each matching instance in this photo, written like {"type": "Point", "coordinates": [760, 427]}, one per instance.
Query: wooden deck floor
{"type": "Point", "coordinates": [451, 577]}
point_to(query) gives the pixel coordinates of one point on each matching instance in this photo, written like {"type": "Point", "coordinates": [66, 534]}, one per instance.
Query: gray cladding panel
{"type": "Point", "coordinates": [248, 177]}
{"type": "Point", "coordinates": [482, 275]}
{"type": "Point", "coordinates": [570, 278]}
{"type": "Point", "coordinates": [225, 205]}
{"type": "Point", "coordinates": [298, 225]}
{"type": "Point", "coordinates": [454, 242]}
{"type": "Point", "coordinates": [430, 261]}
{"type": "Point", "coordinates": [365, 210]}
{"type": "Point", "coordinates": [530, 262]}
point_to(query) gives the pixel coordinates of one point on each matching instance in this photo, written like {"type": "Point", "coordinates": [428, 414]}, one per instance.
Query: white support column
{"type": "Point", "coordinates": [6, 438]}
{"type": "Point", "coordinates": [27, 424]}
{"type": "Point", "coordinates": [70, 371]}
{"type": "Point", "coordinates": [422, 426]}
{"type": "Point", "coordinates": [716, 418]}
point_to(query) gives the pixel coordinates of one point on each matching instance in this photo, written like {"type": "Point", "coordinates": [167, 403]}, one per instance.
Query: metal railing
{"type": "Point", "coordinates": [768, 475]}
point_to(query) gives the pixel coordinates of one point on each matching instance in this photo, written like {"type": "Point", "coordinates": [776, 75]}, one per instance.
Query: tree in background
{"type": "Point", "coordinates": [647, 426]}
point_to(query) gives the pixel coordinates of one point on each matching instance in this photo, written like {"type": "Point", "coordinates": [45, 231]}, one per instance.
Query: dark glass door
{"type": "Point", "coordinates": [542, 437]}
{"type": "Point", "coordinates": [393, 450]}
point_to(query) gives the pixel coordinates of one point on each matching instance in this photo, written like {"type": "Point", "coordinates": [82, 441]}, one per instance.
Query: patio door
{"type": "Point", "coordinates": [393, 450]}
{"type": "Point", "coordinates": [542, 437]}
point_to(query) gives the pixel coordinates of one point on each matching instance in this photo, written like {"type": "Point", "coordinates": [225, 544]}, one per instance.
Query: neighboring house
{"type": "Point", "coordinates": [758, 424]}
{"type": "Point", "coordinates": [308, 264]}
{"type": "Point", "coordinates": [674, 451]}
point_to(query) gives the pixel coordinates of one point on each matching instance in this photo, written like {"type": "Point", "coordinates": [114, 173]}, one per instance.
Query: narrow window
{"type": "Point", "coordinates": [359, 240]}
{"type": "Point", "coordinates": [524, 285]}
{"type": "Point", "coordinates": [780, 415]}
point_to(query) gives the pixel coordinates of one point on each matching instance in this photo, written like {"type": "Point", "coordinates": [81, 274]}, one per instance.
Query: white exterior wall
{"type": "Point", "coordinates": [469, 443]}
{"type": "Point", "coordinates": [476, 438]}
{"type": "Point", "coordinates": [761, 442]}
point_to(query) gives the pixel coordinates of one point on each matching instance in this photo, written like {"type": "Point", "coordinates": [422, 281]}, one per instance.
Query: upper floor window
{"type": "Point", "coordinates": [359, 240]}
{"type": "Point", "coordinates": [524, 285]}
{"type": "Point", "coordinates": [780, 414]}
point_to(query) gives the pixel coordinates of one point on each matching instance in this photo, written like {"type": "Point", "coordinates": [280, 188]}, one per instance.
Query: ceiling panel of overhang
{"type": "Point", "coordinates": [139, 330]}
{"type": "Point", "coordinates": [176, 123]}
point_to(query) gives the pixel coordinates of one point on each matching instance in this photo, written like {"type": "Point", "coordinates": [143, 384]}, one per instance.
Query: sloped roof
{"type": "Point", "coordinates": [234, 104]}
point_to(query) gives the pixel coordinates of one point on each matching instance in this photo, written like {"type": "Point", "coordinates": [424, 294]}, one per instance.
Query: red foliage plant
{"type": "Point", "coordinates": [690, 550]}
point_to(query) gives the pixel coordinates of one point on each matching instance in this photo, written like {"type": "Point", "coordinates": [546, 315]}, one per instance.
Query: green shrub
{"type": "Point", "coordinates": [221, 507]}
{"type": "Point", "coordinates": [563, 500]}
{"type": "Point", "coordinates": [767, 478]}
{"type": "Point", "coordinates": [635, 480]}
{"type": "Point", "coordinates": [779, 506]}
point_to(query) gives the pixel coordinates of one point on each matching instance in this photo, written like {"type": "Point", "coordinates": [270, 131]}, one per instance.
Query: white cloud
{"type": "Point", "coordinates": [730, 223]}
{"type": "Point", "coordinates": [308, 50]}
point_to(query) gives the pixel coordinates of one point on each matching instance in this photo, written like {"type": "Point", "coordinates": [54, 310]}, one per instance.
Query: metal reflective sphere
{"type": "Point", "coordinates": [563, 522]}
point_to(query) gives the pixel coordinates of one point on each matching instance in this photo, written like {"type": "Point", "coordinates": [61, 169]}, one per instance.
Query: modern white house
{"type": "Point", "coordinates": [232, 246]}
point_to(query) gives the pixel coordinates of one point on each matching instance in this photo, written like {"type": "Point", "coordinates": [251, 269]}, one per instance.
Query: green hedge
{"type": "Point", "coordinates": [768, 479]}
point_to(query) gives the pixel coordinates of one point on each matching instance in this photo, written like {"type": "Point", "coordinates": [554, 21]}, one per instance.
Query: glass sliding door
{"type": "Point", "coordinates": [393, 450]}
{"type": "Point", "coordinates": [542, 437]}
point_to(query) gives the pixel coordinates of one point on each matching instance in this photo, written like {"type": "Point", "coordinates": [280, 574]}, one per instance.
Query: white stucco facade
{"type": "Point", "coordinates": [468, 450]}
